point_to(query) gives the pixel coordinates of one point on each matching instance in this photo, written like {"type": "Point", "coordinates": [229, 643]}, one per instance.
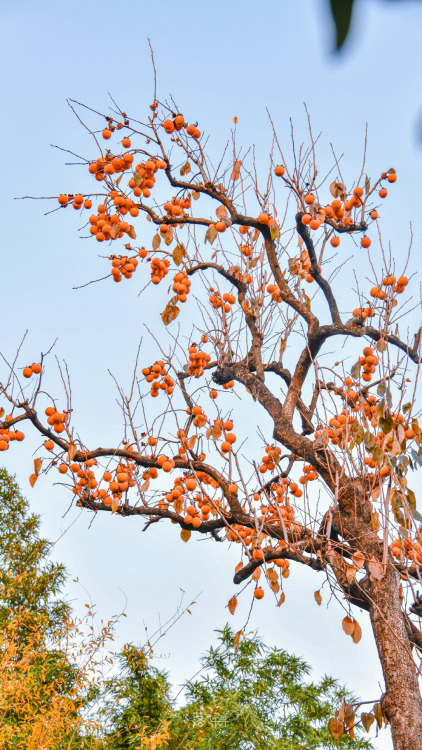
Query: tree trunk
{"type": "Point", "coordinates": [402, 702]}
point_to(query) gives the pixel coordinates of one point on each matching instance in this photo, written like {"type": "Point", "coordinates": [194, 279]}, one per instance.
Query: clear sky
{"type": "Point", "coordinates": [218, 60]}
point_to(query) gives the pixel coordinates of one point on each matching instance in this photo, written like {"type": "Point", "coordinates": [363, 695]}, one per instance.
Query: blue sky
{"type": "Point", "coordinates": [218, 60]}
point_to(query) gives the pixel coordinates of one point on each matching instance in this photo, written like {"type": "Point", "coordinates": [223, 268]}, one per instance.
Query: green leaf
{"type": "Point", "coordinates": [341, 11]}
{"type": "Point", "coordinates": [386, 423]}
{"type": "Point", "coordinates": [360, 434]}
{"type": "Point", "coordinates": [378, 455]}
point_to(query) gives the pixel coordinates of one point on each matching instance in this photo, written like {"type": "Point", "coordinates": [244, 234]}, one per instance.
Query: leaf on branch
{"type": "Point", "coordinates": [232, 604]}
{"type": "Point", "coordinates": [357, 632]}
{"type": "Point", "coordinates": [367, 184]}
{"type": "Point", "coordinates": [386, 423]}
{"type": "Point", "coordinates": [114, 231]}
{"type": "Point", "coordinates": [281, 600]}
{"type": "Point", "coordinates": [336, 728]}
{"type": "Point", "coordinates": [37, 465]}
{"type": "Point", "coordinates": [168, 236]}
{"type": "Point", "coordinates": [236, 170]}
{"type": "Point", "coordinates": [374, 523]}
{"type": "Point", "coordinates": [376, 569]}
{"type": "Point", "coordinates": [338, 190]}
{"type": "Point", "coordinates": [71, 452]}
{"type": "Point", "coordinates": [195, 195]}
{"type": "Point", "coordinates": [191, 443]}
{"type": "Point", "coordinates": [179, 253]}
{"type": "Point", "coordinates": [378, 455]}
{"type": "Point", "coordinates": [32, 479]}
{"type": "Point", "coordinates": [221, 212]}
{"type": "Point", "coordinates": [377, 711]}
{"type": "Point", "coordinates": [382, 345]}
{"type": "Point", "coordinates": [369, 440]}
{"type": "Point", "coordinates": [358, 559]}
{"type": "Point", "coordinates": [318, 597]}
{"type": "Point", "coordinates": [185, 169]}
{"type": "Point", "coordinates": [237, 640]}
{"type": "Point", "coordinates": [185, 534]}
{"type": "Point", "coordinates": [170, 313]}
{"type": "Point", "coordinates": [275, 232]}
{"type": "Point", "coordinates": [411, 499]}
{"type": "Point", "coordinates": [145, 485]}
{"type": "Point", "coordinates": [210, 234]}
{"type": "Point", "coordinates": [138, 179]}
{"type": "Point", "coordinates": [367, 720]}
{"type": "Point", "coordinates": [348, 625]}
{"type": "Point", "coordinates": [156, 241]}
{"type": "Point", "coordinates": [355, 370]}
{"type": "Point", "coordinates": [131, 232]}
{"type": "Point", "coordinates": [350, 573]}
{"type": "Point", "coordinates": [114, 505]}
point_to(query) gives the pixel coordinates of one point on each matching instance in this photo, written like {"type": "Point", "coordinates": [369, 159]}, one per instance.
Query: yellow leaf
{"type": "Point", "coordinates": [185, 534]}
{"type": "Point", "coordinates": [114, 505]}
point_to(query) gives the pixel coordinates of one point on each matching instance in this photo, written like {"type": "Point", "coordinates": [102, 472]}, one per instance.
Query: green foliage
{"type": "Point", "coordinates": [246, 699]}
{"type": "Point", "coordinates": [138, 699]}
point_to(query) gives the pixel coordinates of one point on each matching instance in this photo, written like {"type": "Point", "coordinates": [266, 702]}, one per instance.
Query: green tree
{"type": "Point", "coordinates": [248, 697]}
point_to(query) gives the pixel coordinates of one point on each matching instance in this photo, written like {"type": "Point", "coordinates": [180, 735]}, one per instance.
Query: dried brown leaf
{"type": "Point", "coordinates": [185, 534]}
{"type": "Point", "coordinates": [318, 597]}
{"type": "Point", "coordinates": [348, 625]}
{"type": "Point", "coordinates": [336, 728]}
{"type": "Point", "coordinates": [179, 253]}
{"type": "Point", "coordinates": [232, 604]}
{"type": "Point", "coordinates": [170, 313]}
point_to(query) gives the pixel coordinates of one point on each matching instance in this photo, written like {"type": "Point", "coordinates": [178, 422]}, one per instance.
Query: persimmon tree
{"type": "Point", "coordinates": [253, 314]}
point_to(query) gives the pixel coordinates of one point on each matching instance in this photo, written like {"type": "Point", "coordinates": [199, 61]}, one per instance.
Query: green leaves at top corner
{"type": "Point", "coordinates": [341, 11]}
